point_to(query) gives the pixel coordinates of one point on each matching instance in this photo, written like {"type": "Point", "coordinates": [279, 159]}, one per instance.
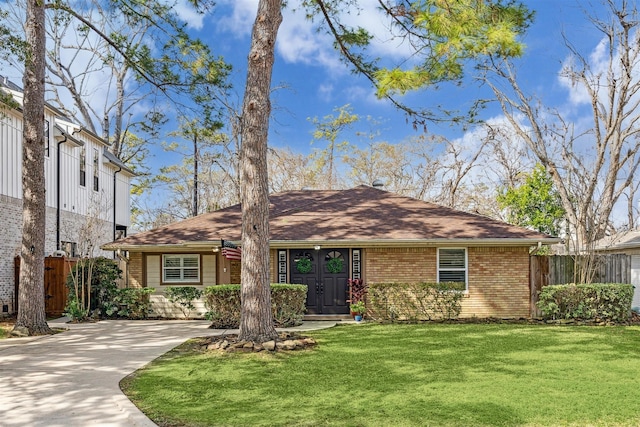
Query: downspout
{"type": "Point", "coordinates": [58, 193]}
{"type": "Point", "coordinates": [114, 206]}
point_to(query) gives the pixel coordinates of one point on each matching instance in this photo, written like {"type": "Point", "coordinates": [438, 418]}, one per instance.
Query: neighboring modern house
{"type": "Point", "coordinates": [87, 190]}
{"type": "Point", "coordinates": [378, 236]}
{"type": "Point", "coordinates": [628, 243]}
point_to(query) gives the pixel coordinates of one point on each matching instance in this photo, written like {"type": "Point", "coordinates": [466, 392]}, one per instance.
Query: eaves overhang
{"type": "Point", "coordinates": [355, 243]}
{"type": "Point", "coordinates": [200, 246]}
{"type": "Point", "coordinates": [410, 243]}
{"type": "Point", "coordinates": [61, 135]}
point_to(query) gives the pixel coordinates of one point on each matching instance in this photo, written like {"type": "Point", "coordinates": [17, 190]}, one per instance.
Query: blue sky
{"type": "Point", "coordinates": [317, 82]}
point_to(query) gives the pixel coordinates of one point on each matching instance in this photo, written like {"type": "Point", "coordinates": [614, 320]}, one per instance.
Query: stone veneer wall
{"type": "Point", "coordinates": [10, 230]}
{"type": "Point", "coordinates": [498, 277]}
{"type": "Point", "coordinates": [10, 225]}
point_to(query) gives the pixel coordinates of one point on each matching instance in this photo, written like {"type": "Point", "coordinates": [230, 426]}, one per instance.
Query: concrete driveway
{"type": "Point", "coordinates": [71, 378]}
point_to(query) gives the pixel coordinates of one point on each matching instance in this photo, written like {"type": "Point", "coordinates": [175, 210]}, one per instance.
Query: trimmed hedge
{"type": "Point", "coordinates": [223, 303]}
{"type": "Point", "coordinates": [412, 302]}
{"type": "Point", "coordinates": [596, 301]}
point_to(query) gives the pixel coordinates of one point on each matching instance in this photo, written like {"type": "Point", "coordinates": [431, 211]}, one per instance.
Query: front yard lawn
{"type": "Point", "coordinates": [406, 375]}
{"type": "Point", "coordinates": [6, 325]}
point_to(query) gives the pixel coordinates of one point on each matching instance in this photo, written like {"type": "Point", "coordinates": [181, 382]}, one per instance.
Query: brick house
{"type": "Point", "coordinates": [87, 190]}
{"type": "Point", "coordinates": [375, 235]}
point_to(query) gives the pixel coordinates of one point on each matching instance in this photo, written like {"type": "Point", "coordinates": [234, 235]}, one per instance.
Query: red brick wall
{"type": "Point", "coordinates": [498, 277]}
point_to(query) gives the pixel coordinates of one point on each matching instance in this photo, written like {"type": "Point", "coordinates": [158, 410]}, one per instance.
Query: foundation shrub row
{"type": "Point", "coordinates": [223, 305]}
{"type": "Point", "coordinates": [596, 301]}
{"type": "Point", "coordinates": [413, 302]}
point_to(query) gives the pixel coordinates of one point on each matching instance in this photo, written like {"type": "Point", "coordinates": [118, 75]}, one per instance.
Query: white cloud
{"type": "Point", "coordinates": [240, 21]}
{"type": "Point", "coordinates": [325, 92]}
{"type": "Point", "coordinates": [299, 42]}
{"type": "Point", "coordinates": [189, 15]}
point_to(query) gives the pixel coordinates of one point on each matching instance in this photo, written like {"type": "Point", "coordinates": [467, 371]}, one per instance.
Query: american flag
{"type": "Point", "coordinates": [231, 251]}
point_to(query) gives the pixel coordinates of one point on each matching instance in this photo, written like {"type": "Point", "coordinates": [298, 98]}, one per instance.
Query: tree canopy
{"type": "Point", "coordinates": [535, 203]}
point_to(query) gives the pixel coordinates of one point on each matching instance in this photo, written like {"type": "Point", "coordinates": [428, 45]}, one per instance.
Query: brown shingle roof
{"type": "Point", "coordinates": [362, 214]}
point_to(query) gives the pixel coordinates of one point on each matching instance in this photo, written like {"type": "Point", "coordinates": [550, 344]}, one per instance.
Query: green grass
{"type": "Point", "coordinates": [407, 375]}
{"type": "Point", "coordinates": [5, 328]}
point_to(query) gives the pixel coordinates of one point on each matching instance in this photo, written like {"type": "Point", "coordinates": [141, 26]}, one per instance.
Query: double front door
{"type": "Point", "coordinates": [325, 272]}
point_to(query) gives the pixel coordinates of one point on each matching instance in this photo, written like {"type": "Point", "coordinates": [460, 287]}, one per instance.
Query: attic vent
{"type": "Point", "coordinates": [378, 183]}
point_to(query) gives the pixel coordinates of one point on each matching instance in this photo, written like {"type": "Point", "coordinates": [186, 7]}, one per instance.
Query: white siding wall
{"type": "Point", "coordinates": [208, 270]}
{"type": "Point", "coordinates": [78, 205]}
{"type": "Point", "coordinates": [123, 199]}
{"type": "Point", "coordinates": [635, 280]}
{"type": "Point", "coordinates": [10, 154]}
{"type": "Point", "coordinates": [160, 305]}
{"type": "Point", "coordinates": [153, 271]}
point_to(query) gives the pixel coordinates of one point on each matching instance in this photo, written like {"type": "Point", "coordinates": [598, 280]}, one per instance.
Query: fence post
{"type": "Point", "coordinates": [538, 277]}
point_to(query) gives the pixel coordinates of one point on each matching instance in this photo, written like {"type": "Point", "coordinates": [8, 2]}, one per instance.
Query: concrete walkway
{"type": "Point", "coordinates": [72, 378]}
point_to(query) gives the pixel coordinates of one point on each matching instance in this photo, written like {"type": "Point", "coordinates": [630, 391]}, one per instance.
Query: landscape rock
{"type": "Point", "coordinates": [269, 345]}
{"type": "Point", "coordinates": [286, 341]}
{"type": "Point", "coordinates": [20, 332]}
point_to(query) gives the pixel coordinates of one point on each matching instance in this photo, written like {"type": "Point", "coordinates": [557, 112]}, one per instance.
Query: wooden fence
{"type": "Point", "coordinates": [56, 270]}
{"type": "Point", "coordinates": [559, 269]}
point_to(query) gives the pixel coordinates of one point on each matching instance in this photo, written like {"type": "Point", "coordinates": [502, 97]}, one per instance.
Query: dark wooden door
{"type": "Point", "coordinates": [325, 272]}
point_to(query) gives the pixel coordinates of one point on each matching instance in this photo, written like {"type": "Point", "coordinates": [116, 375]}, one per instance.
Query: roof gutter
{"type": "Point", "coordinates": [379, 243]}
{"type": "Point", "coordinates": [199, 246]}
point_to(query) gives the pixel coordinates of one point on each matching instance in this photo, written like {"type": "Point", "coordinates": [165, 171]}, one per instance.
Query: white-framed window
{"type": "Point", "coordinates": [452, 265]}
{"type": "Point", "coordinates": [180, 268]}
{"type": "Point", "coordinates": [46, 138]}
{"type": "Point", "coordinates": [96, 166]}
{"type": "Point", "coordinates": [83, 166]}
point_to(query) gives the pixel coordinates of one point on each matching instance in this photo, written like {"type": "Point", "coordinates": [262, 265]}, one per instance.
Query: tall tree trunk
{"type": "Point", "coordinates": [256, 322]}
{"type": "Point", "coordinates": [31, 310]}
{"type": "Point", "coordinates": [194, 211]}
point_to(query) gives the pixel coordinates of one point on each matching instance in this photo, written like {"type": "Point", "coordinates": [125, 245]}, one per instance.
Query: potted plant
{"type": "Point", "coordinates": [358, 309]}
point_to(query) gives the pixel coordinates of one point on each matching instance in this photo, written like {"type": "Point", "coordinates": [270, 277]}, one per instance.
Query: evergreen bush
{"type": "Point", "coordinates": [594, 302]}
{"type": "Point", "coordinates": [92, 285]}
{"type": "Point", "coordinates": [412, 302]}
{"type": "Point", "coordinates": [224, 305]}
{"type": "Point", "coordinates": [183, 297]}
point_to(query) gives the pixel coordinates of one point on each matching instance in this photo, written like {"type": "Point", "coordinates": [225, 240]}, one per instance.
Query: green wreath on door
{"type": "Point", "coordinates": [303, 265]}
{"type": "Point", "coordinates": [334, 265]}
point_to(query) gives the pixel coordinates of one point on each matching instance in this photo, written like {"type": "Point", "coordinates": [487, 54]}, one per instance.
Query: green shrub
{"type": "Point", "coordinates": [413, 302]}
{"type": "Point", "coordinates": [130, 303]}
{"type": "Point", "coordinates": [288, 304]}
{"type": "Point", "coordinates": [224, 305]}
{"type": "Point", "coordinates": [91, 294]}
{"type": "Point", "coordinates": [183, 297]}
{"type": "Point", "coordinates": [75, 311]}
{"type": "Point", "coordinates": [596, 301]}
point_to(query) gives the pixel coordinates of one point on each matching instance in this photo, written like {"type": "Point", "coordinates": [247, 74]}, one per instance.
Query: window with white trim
{"type": "Point", "coordinates": [83, 166]}
{"type": "Point", "coordinates": [452, 265]}
{"type": "Point", "coordinates": [96, 166]}
{"type": "Point", "coordinates": [181, 268]}
{"type": "Point", "coordinates": [46, 138]}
